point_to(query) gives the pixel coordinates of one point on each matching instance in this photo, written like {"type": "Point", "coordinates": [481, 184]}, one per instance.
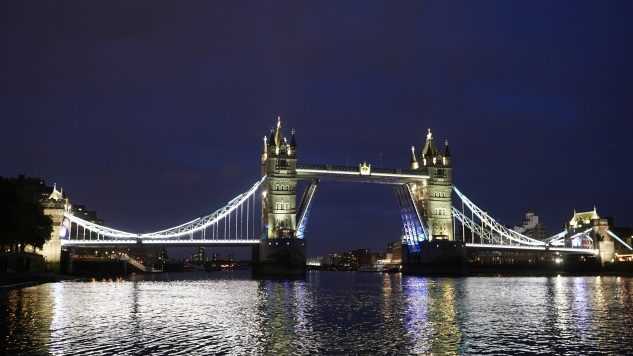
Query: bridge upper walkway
{"type": "Point", "coordinates": [361, 173]}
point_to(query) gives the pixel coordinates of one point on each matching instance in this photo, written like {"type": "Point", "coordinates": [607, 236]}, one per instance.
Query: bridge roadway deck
{"type": "Point", "coordinates": [157, 242]}
{"type": "Point", "coordinates": [567, 250]}
{"type": "Point", "coordinates": [252, 242]}
{"type": "Point", "coordinates": [354, 174]}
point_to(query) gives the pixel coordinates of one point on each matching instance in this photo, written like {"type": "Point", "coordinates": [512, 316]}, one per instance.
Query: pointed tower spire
{"type": "Point", "coordinates": [414, 160]}
{"type": "Point", "coordinates": [429, 151]}
{"type": "Point", "coordinates": [265, 152]}
{"type": "Point", "coordinates": [293, 140]}
{"type": "Point", "coordinates": [278, 132]}
{"type": "Point", "coordinates": [446, 157]}
{"type": "Point", "coordinates": [55, 194]}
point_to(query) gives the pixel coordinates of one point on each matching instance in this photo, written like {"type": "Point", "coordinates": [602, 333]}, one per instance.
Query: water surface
{"type": "Point", "coordinates": [328, 312]}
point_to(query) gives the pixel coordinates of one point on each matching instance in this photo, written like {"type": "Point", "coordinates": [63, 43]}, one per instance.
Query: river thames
{"type": "Point", "coordinates": [327, 313]}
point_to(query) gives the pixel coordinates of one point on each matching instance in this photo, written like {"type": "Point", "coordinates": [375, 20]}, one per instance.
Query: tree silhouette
{"type": "Point", "coordinates": [22, 219]}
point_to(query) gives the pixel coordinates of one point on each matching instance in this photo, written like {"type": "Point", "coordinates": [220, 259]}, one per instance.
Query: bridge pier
{"type": "Point", "coordinates": [437, 257]}
{"type": "Point", "coordinates": [284, 257]}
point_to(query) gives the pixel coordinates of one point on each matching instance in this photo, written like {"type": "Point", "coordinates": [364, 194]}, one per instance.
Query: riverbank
{"type": "Point", "coordinates": [10, 281]}
{"type": "Point", "coordinates": [499, 270]}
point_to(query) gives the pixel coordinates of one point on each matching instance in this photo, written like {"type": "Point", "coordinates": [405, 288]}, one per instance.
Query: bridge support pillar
{"type": "Point", "coordinates": [605, 243]}
{"type": "Point", "coordinates": [283, 257]}
{"type": "Point", "coordinates": [52, 252]}
{"type": "Point", "coordinates": [606, 250]}
{"type": "Point", "coordinates": [438, 257]}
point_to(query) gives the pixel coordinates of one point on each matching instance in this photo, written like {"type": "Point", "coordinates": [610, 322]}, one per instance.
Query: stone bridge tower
{"type": "Point", "coordinates": [433, 196]}
{"type": "Point", "coordinates": [280, 251]}
{"type": "Point", "coordinates": [279, 164]}
{"type": "Point", "coordinates": [55, 205]}
{"type": "Point", "coordinates": [440, 252]}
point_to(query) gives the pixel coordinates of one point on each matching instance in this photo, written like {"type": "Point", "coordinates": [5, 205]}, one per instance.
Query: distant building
{"type": "Point", "coordinates": [314, 261]}
{"type": "Point", "coordinates": [531, 227]}
{"type": "Point", "coordinates": [342, 261]}
{"type": "Point", "coordinates": [82, 212]}
{"type": "Point", "coordinates": [328, 260]}
{"type": "Point", "coordinates": [394, 252]}
{"type": "Point", "coordinates": [360, 259]}
{"type": "Point", "coordinates": [199, 257]}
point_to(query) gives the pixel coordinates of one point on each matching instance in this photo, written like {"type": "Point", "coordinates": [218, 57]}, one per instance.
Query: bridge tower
{"type": "Point", "coordinates": [279, 164]}
{"type": "Point", "coordinates": [598, 237]}
{"type": "Point", "coordinates": [54, 206]}
{"type": "Point", "coordinates": [432, 197]}
{"type": "Point", "coordinates": [280, 251]}
{"type": "Point", "coordinates": [438, 190]}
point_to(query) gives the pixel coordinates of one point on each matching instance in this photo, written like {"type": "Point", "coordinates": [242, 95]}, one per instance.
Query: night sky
{"type": "Point", "coordinates": [153, 112]}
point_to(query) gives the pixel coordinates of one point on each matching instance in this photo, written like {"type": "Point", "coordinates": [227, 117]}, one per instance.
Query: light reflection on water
{"type": "Point", "coordinates": [328, 312]}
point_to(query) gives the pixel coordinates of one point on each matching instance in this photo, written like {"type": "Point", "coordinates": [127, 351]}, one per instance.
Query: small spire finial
{"type": "Point", "coordinates": [429, 135]}
{"type": "Point", "coordinates": [446, 142]}
{"type": "Point", "coordinates": [414, 160]}
{"type": "Point", "coordinates": [293, 139]}
{"type": "Point", "coordinates": [278, 121]}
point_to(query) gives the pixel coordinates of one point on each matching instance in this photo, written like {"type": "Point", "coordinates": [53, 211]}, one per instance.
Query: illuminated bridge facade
{"type": "Point", "coordinates": [269, 216]}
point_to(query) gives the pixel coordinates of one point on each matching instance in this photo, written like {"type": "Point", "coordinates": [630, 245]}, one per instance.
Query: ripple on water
{"type": "Point", "coordinates": [360, 313]}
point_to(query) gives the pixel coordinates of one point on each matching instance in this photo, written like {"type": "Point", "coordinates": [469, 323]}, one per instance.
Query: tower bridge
{"type": "Point", "coordinates": [439, 222]}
